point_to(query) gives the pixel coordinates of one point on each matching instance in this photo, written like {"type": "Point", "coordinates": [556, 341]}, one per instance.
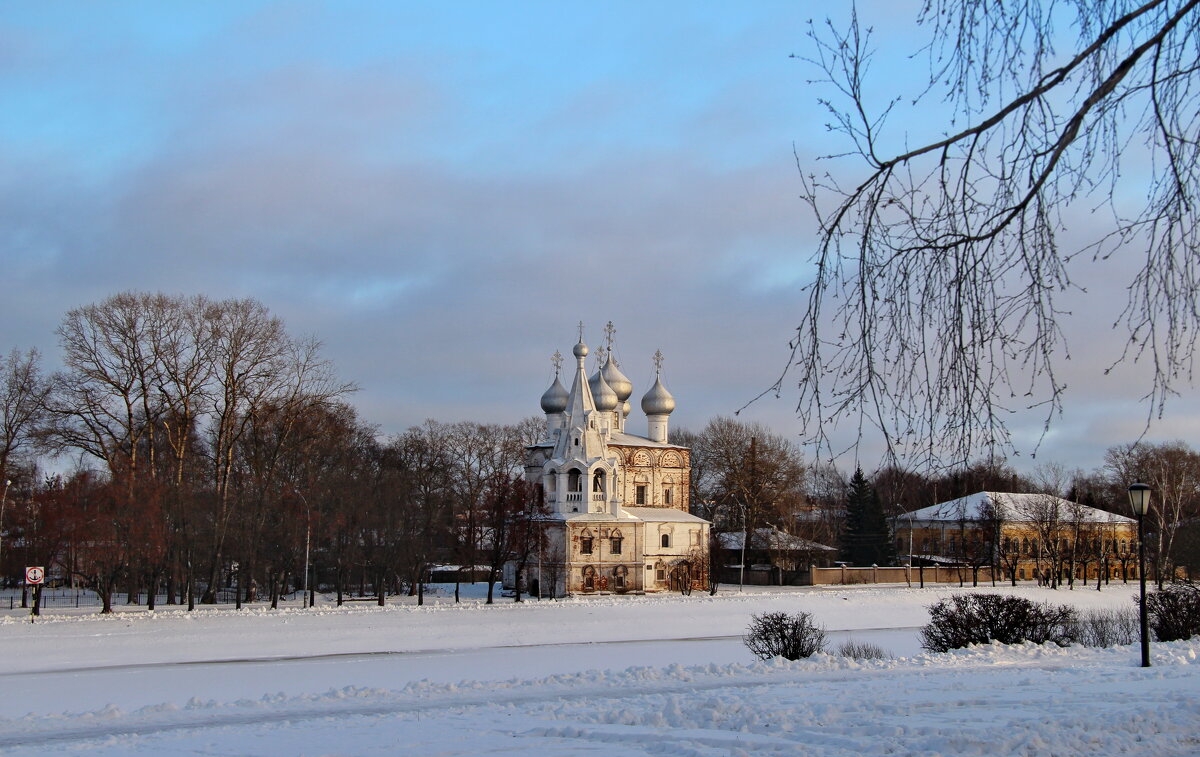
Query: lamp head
{"type": "Point", "coordinates": [1139, 499]}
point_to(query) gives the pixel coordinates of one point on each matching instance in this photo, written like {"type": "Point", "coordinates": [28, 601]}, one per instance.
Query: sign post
{"type": "Point", "coordinates": [35, 575]}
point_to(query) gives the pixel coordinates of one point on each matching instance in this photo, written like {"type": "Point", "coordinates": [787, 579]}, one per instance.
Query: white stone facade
{"type": "Point", "coordinates": [618, 502]}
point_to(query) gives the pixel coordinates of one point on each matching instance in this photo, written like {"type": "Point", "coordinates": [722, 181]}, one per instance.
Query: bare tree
{"type": "Point", "coordinates": [1172, 470]}
{"type": "Point", "coordinates": [745, 465]}
{"type": "Point", "coordinates": [935, 310]}
{"type": "Point", "coordinates": [23, 394]}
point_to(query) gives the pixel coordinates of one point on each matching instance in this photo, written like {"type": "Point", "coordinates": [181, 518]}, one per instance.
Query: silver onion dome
{"type": "Point", "coordinates": [602, 394]}
{"type": "Point", "coordinates": [658, 401]}
{"type": "Point", "coordinates": [615, 379]}
{"type": "Point", "coordinates": [555, 399]}
{"type": "Point", "coordinates": [580, 349]}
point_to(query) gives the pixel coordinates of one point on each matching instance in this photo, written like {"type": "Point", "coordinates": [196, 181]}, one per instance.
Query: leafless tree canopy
{"type": "Point", "coordinates": [935, 310]}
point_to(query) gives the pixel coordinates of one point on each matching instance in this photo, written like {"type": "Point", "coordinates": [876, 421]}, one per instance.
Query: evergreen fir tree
{"type": "Point", "coordinates": [866, 539]}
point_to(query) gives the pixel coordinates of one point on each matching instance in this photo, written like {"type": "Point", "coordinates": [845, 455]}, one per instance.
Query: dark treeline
{"type": "Point", "coordinates": [219, 458]}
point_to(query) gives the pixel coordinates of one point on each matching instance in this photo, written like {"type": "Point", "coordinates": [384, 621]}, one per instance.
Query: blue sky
{"type": "Point", "coordinates": [437, 191]}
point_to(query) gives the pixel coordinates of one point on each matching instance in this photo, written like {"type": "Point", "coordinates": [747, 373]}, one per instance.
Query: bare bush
{"type": "Point", "coordinates": [777, 634]}
{"type": "Point", "coordinates": [983, 618]}
{"type": "Point", "coordinates": [1107, 628]}
{"type": "Point", "coordinates": [862, 650]}
{"type": "Point", "coordinates": [1175, 612]}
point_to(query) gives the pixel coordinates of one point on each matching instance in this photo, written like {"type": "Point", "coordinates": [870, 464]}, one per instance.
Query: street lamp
{"type": "Point", "coordinates": [745, 538]}
{"type": "Point", "coordinates": [1139, 500]}
{"type": "Point", "coordinates": [3, 503]}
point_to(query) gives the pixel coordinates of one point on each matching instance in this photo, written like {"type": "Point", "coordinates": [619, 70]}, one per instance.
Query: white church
{"type": "Point", "coordinates": [617, 501]}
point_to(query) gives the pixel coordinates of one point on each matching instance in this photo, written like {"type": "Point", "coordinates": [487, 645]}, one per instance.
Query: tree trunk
{"type": "Point", "coordinates": [491, 584]}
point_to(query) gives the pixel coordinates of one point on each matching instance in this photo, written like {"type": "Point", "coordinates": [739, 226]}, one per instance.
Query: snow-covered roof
{"type": "Point", "coordinates": [653, 514]}
{"type": "Point", "coordinates": [663, 515]}
{"type": "Point", "coordinates": [620, 439]}
{"type": "Point", "coordinates": [771, 538]}
{"type": "Point", "coordinates": [633, 440]}
{"type": "Point", "coordinates": [1012, 507]}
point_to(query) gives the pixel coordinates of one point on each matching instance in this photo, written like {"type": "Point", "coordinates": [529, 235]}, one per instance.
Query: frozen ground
{"type": "Point", "coordinates": [615, 676]}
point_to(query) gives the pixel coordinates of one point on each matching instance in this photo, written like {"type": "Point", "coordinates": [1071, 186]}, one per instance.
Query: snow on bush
{"type": "Point", "coordinates": [777, 634]}
{"type": "Point", "coordinates": [1175, 612]}
{"type": "Point", "coordinates": [967, 619]}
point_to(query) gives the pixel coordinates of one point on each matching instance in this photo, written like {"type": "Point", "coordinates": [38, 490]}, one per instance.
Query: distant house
{"type": "Point", "coordinates": [772, 556]}
{"type": "Point", "coordinates": [1024, 536]}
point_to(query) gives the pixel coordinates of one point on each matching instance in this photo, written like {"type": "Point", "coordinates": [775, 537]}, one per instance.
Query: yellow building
{"type": "Point", "coordinates": [1023, 536]}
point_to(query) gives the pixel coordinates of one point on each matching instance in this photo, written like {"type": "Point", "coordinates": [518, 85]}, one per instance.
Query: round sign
{"type": "Point", "coordinates": [35, 575]}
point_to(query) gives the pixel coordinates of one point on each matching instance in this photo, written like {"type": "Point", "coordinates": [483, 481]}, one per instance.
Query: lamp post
{"type": "Point", "coordinates": [304, 598]}
{"type": "Point", "coordinates": [3, 504]}
{"type": "Point", "coordinates": [745, 537]}
{"type": "Point", "coordinates": [1139, 501]}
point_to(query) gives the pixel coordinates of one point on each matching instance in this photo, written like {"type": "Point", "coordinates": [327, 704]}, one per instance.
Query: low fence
{"type": "Point", "coordinates": [914, 575]}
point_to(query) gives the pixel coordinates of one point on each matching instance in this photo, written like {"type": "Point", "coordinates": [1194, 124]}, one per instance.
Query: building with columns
{"type": "Point", "coordinates": [617, 502]}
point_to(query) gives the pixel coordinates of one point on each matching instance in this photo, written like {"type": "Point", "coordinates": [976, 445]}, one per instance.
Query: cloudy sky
{"type": "Point", "coordinates": [441, 191]}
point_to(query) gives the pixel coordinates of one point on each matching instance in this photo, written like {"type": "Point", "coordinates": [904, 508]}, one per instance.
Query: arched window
{"type": "Point", "coordinates": [619, 573]}
{"type": "Point", "coordinates": [666, 540]}
{"type": "Point", "coordinates": [574, 481]}
{"type": "Point", "coordinates": [598, 481]}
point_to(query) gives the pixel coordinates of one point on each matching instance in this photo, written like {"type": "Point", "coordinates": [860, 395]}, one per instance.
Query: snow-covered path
{"type": "Point", "coordinates": [579, 677]}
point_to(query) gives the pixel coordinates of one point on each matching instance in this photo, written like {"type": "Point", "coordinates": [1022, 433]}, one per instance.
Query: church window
{"type": "Point", "coordinates": [666, 540]}
{"type": "Point", "coordinates": [666, 496]}
{"type": "Point", "coordinates": [619, 581]}
{"type": "Point", "coordinates": [641, 494]}
{"type": "Point", "coordinates": [574, 481]}
{"type": "Point", "coordinates": [616, 545]}
{"type": "Point", "coordinates": [661, 574]}
{"type": "Point", "coordinates": [585, 545]}
{"type": "Point", "coordinates": [695, 538]}
{"type": "Point", "coordinates": [598, 481]}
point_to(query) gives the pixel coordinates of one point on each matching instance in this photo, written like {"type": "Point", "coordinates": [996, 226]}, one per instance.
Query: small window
{"type": "Point", "coordinates": [662, 574]}
{"type": "Point", "coordinates": [695, 538]}
{"type": "Point", "coordinates": [616, 545]}
{"type": "Point", "coordinates": [577, 441]}
{"type": "Point", "coordinates": [666, 496]}
{"type": "Point", "coordinates": [666, 540]}
{"type": "Point", "coordinates": [619, 581]}
{"type": "Point", "coordinates": [641, 494]}
{"type": "Point", "coordinates": [585, 545]}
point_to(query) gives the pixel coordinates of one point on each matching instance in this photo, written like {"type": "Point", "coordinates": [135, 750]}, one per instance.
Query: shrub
{"type": "Point", "coordinates": [862, 650]}
{"type": "Point", "coordinates": [777, 634]}
{"type": "Point", "coordinates": [982, 618]}
{"type": "Point", "coordinates": [1107, 628]}
{"type": "Point", "coordinates": [1174, 612]}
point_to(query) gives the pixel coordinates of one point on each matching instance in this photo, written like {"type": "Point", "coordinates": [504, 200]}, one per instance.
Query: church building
{"type": "Point", "coordinates": [617, 502]}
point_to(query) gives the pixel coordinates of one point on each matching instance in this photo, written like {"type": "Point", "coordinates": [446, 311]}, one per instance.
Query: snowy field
{"type": "Point", "coordinates": [614, 676]}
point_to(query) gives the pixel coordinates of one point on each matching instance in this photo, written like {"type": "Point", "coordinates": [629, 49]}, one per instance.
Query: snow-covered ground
{"type": "Point", "coordinates": [663, 675]}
